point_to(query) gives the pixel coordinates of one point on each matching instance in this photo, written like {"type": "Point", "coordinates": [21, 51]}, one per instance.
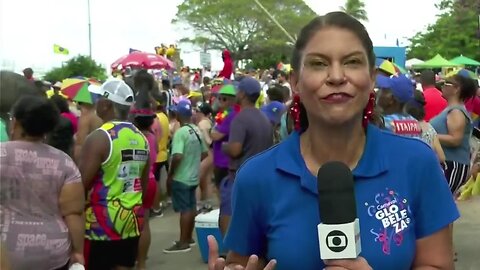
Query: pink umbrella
{"type": "Point", "coordinates": [143, 60]}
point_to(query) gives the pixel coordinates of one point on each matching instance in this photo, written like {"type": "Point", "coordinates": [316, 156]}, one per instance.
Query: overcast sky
{"type": "Point", "coordinates": [29, 28]}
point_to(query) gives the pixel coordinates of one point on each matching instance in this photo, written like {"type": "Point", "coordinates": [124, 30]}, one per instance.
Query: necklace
{"type": "Point", "coordinates": [222, 115]}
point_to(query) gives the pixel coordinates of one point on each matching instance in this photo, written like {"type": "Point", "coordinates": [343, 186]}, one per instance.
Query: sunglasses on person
{"type": "Point", "coordinates": [448, 84]}
{"type": "Point", "coordinates": [222, 99]}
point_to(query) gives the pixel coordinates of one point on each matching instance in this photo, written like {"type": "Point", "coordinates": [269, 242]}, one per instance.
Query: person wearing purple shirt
{"type": "Point", "coordinates": [220, 134]}
{"type": "Point", "coordinates": [250, 134]}
{"type": "Point", "coordinates": [221, 160]}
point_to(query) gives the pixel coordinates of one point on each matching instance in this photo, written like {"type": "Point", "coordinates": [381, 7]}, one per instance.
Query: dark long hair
{"type": "Point", "coordinates": [336, 19]}
{"type": "Point", "coordinates": [144, 83]}
{"type": "Point", "coordinates": [61, 103]}
{"type": "Point", "coordinates": [416, 107]}
{"type": "Point", "coordinates": [468, 86]}
{"type": "Point", "coordinates": [37, 115]}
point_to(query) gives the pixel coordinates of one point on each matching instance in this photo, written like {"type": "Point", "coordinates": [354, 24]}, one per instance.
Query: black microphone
{"type": "Point", "coordinates": [339, 230]}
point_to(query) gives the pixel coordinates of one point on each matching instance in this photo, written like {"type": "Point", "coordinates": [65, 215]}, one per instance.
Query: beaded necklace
{"type": "Point", "coordinates": [222, 115]}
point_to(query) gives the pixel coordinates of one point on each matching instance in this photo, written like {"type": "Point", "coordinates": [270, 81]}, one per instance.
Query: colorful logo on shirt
{"type": "Point", "coordinates": [393, 215]}
{"type": "Point", "coordinates": [402, 124]}
{"type": "Point", "coordinates": [407, 127]}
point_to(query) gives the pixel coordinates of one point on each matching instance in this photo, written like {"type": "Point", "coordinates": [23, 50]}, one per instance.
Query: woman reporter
{"type": "Point", "coordinates": [275, 199]}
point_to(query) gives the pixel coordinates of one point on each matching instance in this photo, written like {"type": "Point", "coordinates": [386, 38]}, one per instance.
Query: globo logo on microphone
{"type": "Point", "coordinates": [339, 230]}
{"type": "Point", "coordinates": [337, 241]}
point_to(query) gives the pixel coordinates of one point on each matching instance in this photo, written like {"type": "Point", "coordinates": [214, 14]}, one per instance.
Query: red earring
{"type": "Point", "coordinates": [368, 111]}
{"type": "Point", "coordinates": [295, 113]}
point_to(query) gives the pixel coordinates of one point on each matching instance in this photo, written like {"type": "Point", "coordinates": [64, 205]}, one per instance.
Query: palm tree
{"type": "Point", "coordinates": [356, 9]}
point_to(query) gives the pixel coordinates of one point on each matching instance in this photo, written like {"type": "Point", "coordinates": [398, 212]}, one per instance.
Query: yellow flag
{"type": "Point", "coordinates": [60, 50]}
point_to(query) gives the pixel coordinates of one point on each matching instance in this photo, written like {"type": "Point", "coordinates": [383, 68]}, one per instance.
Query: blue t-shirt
{"type": "Point", "coordinates": [401, 192]}
{"type": "Point", "coordinates": [403, 124]}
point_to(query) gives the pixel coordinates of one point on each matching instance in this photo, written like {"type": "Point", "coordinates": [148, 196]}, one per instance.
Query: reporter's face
{"type": "Point", "coordinates": [335, 78]}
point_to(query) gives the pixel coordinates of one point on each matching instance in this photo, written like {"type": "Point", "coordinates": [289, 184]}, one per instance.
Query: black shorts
{"type": "Point", "coordinates": [104, 255]}
{"type": "Point", "coordinates": [218, 175]}
{"type": "Point", "coordinates": [456, 174]}
{"type": "Point", "coordinates": [158, 169]}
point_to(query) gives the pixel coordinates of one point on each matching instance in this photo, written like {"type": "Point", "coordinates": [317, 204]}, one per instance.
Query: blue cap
{"type": "Point", "coordinates": [383, 81]}
{"type": "Point", "coordinates": [249, 86]}
{"type": "Point", "coordinates": [400, 85]}
{"type": "Point", "coordinates": [464, 73]}
{"type": "Point", "coordinates": [274, 111]}
{"type": "Point", "coordinates": [182, 108]}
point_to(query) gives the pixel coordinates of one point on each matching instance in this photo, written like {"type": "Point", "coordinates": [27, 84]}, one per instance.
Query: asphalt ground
{"type": "Point", "coordinates": [166, 229]}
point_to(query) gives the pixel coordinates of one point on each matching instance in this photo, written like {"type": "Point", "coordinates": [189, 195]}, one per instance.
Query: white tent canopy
{"type": "Point", "coordinates": [411, 62]}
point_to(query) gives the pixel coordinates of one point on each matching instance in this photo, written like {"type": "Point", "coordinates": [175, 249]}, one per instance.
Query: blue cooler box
{"type": "Point", "coordinates": [205, 225]}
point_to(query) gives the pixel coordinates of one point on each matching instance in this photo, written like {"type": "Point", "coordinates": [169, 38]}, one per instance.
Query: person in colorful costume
{"type": "Point", "coordinates": [114, 168]}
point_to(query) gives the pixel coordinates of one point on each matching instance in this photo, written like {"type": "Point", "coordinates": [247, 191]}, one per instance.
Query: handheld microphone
{"type": "Point", "coordinates": [339, 230]}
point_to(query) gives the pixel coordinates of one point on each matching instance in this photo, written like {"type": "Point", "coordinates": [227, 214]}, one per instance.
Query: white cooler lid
{"type": "Point", "coordinates": [210, 218]}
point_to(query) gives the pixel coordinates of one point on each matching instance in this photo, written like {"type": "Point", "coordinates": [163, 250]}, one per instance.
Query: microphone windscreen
{"type": "Point", "coordinates": [336, 194]}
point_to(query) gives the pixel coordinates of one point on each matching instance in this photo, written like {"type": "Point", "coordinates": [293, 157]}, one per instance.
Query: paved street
{"type": "Point", "coordinates": [165, 230]}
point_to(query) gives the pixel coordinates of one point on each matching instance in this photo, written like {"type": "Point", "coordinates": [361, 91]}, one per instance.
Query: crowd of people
{"type": "Point", "coordinates": [112, 156]}
{"type": "Point", "coordinates": [80, 181]}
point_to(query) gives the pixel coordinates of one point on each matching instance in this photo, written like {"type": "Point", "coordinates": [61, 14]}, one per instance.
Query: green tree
{"type": "Point", "coordinates": [267, 60]}
{"type": "Point", "coordinates": [77, 66]}
{"type": "Point", "coordinates": [241, 26]}
{"type": "Point", "coordinates": [356, 9]}
{"type": "Point", "coordinates": [455, 32]}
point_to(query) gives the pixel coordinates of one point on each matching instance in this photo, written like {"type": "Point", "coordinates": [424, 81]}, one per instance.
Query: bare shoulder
{"type": "Point", "coordinates": [97, 140]}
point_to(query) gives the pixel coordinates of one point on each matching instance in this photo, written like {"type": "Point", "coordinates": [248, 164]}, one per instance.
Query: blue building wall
{"type": "Point", "coordinates": [397, 54]}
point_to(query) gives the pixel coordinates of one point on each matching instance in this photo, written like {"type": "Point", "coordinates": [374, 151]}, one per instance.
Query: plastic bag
{"type": "Point", "coordinates": [470, 189]}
